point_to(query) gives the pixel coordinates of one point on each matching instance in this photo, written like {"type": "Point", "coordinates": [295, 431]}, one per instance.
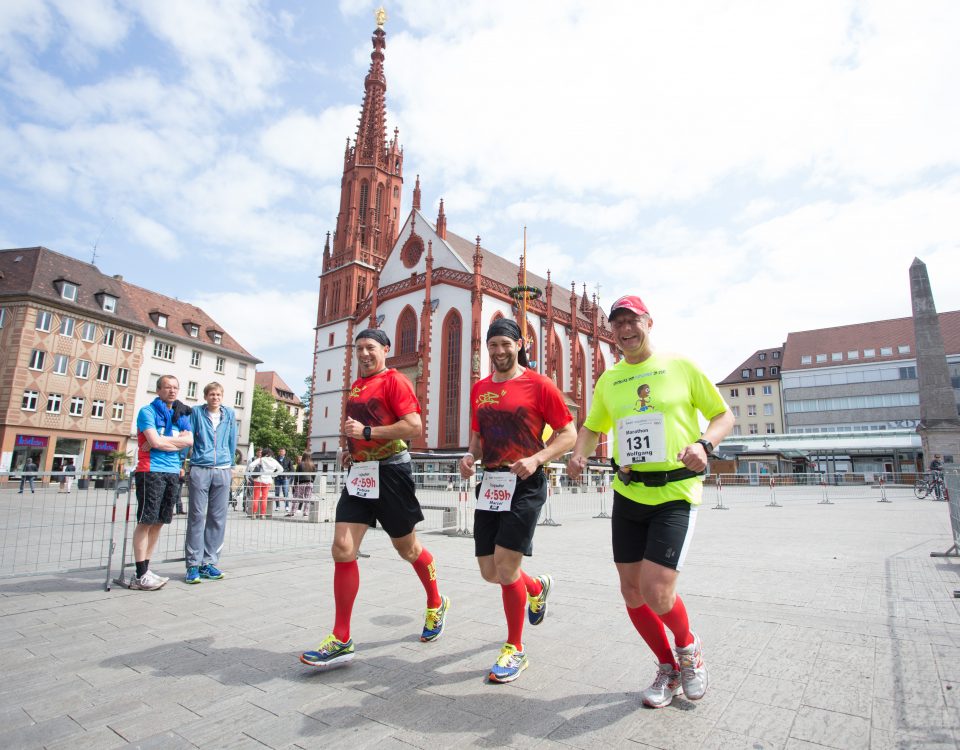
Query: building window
{"type": "Point", "coordinates": [821, 358]}
{"type": "Point", "coordinates": [238, 401]}
{"type": "Point", "coordinates": [61, 363]}
{"type": "Point", "coordinates": [68, 291]}
{"type": "Point", "coordinates": [76, 406]}
{"type": "Point", "coordinates": [37, 359]}
{"type": "Point", "coordinates": [221, 363]}
{"type": "Point", "coordinates": [450, 380]}
{"type": "Point", "coordinates": [735, 410]}
{"type": "Point", "coordinates": [328, 376]}
{"type": "Point", "coordinates": [869, 352]}
{"type": "Point", "coordinates": [109, 335]}
{"type": "Point", "coordinates": [103, 373]}
{"type": "Point", "coordinates": [194, 331]}
{"type": "Point", "coordinates": [217, 337]}
{"type": "Point", "coordinates": [745, 373]}
{"type": "Point", "coordinates": [836, 357]}
{"type": "Point", "coordinates": [126, 343]}
{"type": "Point", "coordinates": [853, 354]}
{"type": "Point", "coordinates": [774, 370]}
{"type": "Point", "coordinates": [67, 324]}
{"type": "Point", "coordinates": [195, 358]}
{"type": "Point", "coordinates": [3, 316]}
{"type": "Point", "coordinates": [776, 355]}
{"type": "Point", "coordinates": [760, 372]}
{"type": "Point", "coordinates": [54, 400]}
{"type": "Point", "coordinates": [908, 373]}
{"type": "Point", "coordinates": [407, 332]}
{"type": "Point", "coordinates": [83, 369]}
{"type": "Point", "coordinates": [116, 413]}
{"type": "Point", "coordinates": [163, 350]}
{"type": "Point", "coordinates": [903, 349]}
{"type": "Point", "coordinates": [806, 359]}
{"type": "Point", "coordinates": [768, 410]}
{"type": "Point", "coordinates": [241, 371]}
{"type": "Point", "coordinates": [330, 340]}
{"type": "Point", "coordinates": [751, 410]}
{"type": "Point", "coordinates": [96, 409]}
{"type": "Point", "coordinates": [88, 332]}
{"type": "Point", "coordinates": [192, 389]}
{"type": "Point", "coordinates": [109, 303]}
{"type": "Point", "coordinates": [751, 391]}
{"type": "Point", "coordinates": [152, 382]}
{"type": "Point", "coordinates": [767, 390]}
{"type": "Point", "coordinates": [29, 402]}
{"type": "Point", "coordinates": [736, 430]}
{"type": "Point", "coordinates": [752, 428]}
{"type": "Point", "coordinates": [886, 351]}
{"type": "Point", "coordinates": [123, 374]}
{"type": "Point", "coordinates": [161, 320]}
{"type": "Point", "coordinates": [734, 392]}
{"type": "Point", "coordinates": [770, 428]}
{"type": "Point", "coordinates": [762, 356]}
{"type": "Point", "coordinates": [44, 319]}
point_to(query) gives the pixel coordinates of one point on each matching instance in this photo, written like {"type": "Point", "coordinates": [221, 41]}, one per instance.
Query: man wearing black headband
{"type": "Point", "coordinates": [508, 412]}
{"type": "Point", "coordinates": [382, 413]}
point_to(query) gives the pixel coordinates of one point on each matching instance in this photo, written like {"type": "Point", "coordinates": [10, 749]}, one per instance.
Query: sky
{"type": "Point", "coordinates": [749, 168]}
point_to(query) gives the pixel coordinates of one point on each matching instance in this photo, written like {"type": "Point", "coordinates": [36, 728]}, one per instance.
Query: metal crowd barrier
{"type": "Point", "coordinates": [951, 478]}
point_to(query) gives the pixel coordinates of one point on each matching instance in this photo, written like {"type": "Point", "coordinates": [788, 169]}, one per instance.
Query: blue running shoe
{"type": "Point", "coordinates": [509, 664]}
{"type": "Point", "coordinates": [193, 575]}
{"type": "Point", "coordinates": [211, 572]}
{"type": "Point", "coordinates": [434, 621]}
{"type": "Point", "coordinates": [330, 653]}
{"type": "Point", "coordinates": [537, 605]}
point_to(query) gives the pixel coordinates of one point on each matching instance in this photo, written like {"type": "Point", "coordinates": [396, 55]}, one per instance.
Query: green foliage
{"type": "Point", "coordinates": [273, 427]}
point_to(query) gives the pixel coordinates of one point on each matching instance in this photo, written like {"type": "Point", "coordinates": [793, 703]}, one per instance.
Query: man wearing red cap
{"type": "Point", "coordinates": [659, 457]}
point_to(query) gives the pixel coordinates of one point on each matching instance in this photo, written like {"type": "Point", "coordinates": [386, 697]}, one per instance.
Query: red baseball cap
{"type": "Point", "coordinates": [629, 302]}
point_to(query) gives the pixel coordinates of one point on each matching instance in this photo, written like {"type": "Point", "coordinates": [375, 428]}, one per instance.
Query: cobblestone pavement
{"type": "Point", "coordinates": [823, 626]}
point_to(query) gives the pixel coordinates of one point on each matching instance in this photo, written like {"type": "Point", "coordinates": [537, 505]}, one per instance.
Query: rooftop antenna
{"type": "Point", "coordinates": [93, 258]}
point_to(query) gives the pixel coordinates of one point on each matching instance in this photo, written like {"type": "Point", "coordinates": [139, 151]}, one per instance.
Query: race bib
{"type": "Point", "coordinates": [640, 439]}
{"type": "Point", "coordinates": [363, 481]}
{"type": "Point", "coordinates": [496, 490]}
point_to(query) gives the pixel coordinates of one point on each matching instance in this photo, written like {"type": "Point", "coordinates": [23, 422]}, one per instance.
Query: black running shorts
{"type": "Point", "coordinates": [397, 508]}
{"type": "Point", "coordinates": [659, 533]}
{"type": "Point", "coordinates": [512, 529]}
{"type": "Point", "coordinates": [157, 494]}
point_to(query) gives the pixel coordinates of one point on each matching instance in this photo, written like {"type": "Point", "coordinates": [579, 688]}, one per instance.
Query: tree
{"type": "Point", "coordinates": [272, 426]}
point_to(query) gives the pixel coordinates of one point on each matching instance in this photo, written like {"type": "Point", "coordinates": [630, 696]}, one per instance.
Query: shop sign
{"type": "Point", "coordinates": [31, 441]}
{"type": "Point", "coordinates": [104, 445]}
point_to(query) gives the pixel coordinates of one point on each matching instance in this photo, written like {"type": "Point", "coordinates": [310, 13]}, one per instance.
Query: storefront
{"type": "Point", "coordinates": [100, 455]}
{"type": "Point", "coordinates": [29, 446]}
{"type": "Point", "coordinates": [67, 451]}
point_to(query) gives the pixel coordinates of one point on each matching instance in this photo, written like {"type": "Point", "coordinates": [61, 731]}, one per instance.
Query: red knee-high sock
{"type": "Point", "coordinates": [427, 572]}
{"type": "Point", "coordinates": [532, 585]}
{"type": "Point", "coordinates": [346, 584]}
{"type": "Point", "coordinates": [676, 620]}
{"type": "Point", "coordinates": [650, 627]}
{"type": "Point", "coordinates": [514, 607]}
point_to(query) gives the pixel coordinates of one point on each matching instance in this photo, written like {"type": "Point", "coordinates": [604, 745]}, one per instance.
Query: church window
{"type": "Point", "coordinates": [407, 332]}
{"type": "Point", "coordinates": [364, 202]}
{"type": "Point", "coordinates": [450, 380]}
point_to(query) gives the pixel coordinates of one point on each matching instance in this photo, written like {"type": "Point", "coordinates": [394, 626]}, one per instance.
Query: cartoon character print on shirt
{"type": "Point", "coordinates": [643, 399]}
{"type": "Point", "coordinates": [506, 434]}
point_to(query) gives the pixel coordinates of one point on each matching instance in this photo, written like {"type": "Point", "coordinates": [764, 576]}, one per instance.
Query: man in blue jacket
{"type": "Point", "coordinates": [211, 473]}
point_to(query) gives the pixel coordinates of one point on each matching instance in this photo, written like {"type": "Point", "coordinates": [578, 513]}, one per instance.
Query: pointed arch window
{"type": "Point", "coordinates": [557, 371]}
{"type": "Point", "coordinates": [450, 380]}
{"type": "Point", "coordinates": [407, 332]}
{"type": "Point", "coordinates": [532, 348]}
{"type": "Point", "coordinates": [362, 217]}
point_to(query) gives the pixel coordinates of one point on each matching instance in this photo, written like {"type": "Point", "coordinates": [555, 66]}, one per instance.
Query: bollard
{"type": "Point", "coordinates": [720, 505]}
{"type": "Point", "coordinates": [773, 496]}
{"type": "Point", "coordinates": [883, 491]}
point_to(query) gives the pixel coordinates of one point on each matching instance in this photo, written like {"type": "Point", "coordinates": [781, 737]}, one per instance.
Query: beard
{"type": "Point", "coordinates": [505, 365]}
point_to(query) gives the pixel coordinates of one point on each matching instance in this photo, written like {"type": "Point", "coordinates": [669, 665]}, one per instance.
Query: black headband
{"type": "Point", "coordinates": [374, 333]}
{"type": "Point", "coordinates": [504, 327]}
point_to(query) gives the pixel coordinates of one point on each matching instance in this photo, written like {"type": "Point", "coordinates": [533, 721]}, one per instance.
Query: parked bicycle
{"type": "Point", "coordinates": [926, 486]}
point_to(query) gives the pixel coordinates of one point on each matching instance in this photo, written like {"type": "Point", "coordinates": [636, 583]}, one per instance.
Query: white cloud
{"type": "Point", "coordinates": [152, 234]}
{"type": "Point", "coordinates": [304, 144]}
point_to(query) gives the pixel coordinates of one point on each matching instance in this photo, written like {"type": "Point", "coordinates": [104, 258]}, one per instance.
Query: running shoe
{"type": "Point", "coordinates": [509, 664]}
{"type": "Point", "coordinates": [193, 575]}
{"type": "Point", "coordinates": [537, 605]}
{"type": "Point", "coordinates": [434, 621]}
{"type": "Point", "coordinates": [693, 675]}
{"type": "Point", "coordinates": [330, 653]}
{"type": "Point", "coordinates": [149, 581]}
{"type": "Point", "coordinates": [211, 572]}
{"type": "Point", "coordinates": [665, 685]}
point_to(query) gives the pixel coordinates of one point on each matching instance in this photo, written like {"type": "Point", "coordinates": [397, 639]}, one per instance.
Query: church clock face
{"type": "Point", "coordinates": [412, 250]}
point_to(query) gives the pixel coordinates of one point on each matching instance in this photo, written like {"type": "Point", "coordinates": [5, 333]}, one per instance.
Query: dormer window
{"type": "Point", "coordinates": [161, 320]}
{"type": "Point", "coordinates": [68, 290]}
{"type": "Point", "coordinates": [215, 336]}
{"type": "Point", "coordinates": [108, 303]}
{"type": "Point", "coordinates": [193, 330]}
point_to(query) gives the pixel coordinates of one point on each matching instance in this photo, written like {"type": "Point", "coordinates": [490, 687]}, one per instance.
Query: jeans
{"type": "Point", "coordinates": [26, 479]}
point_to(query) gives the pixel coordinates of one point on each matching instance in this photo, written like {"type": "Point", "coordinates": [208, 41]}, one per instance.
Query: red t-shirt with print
{"type": "Point", "coordinates": [379, 400]}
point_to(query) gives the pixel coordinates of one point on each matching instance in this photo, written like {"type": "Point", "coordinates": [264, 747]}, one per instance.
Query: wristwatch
{"type": "Point", "coordinates": [368, 433]}
{"type": "Point", "coordinates": [707, 445]}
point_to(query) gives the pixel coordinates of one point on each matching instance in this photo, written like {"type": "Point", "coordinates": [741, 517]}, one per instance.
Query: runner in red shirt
{"type": "Point", "coordinates": [382, 412]}
{"type": "Point", "coordinates": [508, 412]}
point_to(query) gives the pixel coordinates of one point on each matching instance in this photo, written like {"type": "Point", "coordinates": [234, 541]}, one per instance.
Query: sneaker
{"type": "Point", "coordinates": [434, 621]}
{"type": "Point", "coordinates": [149, 581]}
{"type": "Point", "coordinates": [665, 685]}
{"type": "Point", "coordinates": [537, 605]}
{"type": "Point", "coordinates": [193, 575]}
{"type": "Point", "coordinates": [509, 664]}
{"type": "Point", "coordinates": [211, 572]}
{"type": "Point", "coordinates": [330, 653]}
{"type": "Point", "coordinates": [693, 675]}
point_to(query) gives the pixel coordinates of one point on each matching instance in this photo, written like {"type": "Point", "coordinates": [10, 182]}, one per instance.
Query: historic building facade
{"type": "Point", "coordinates": [434, 293]}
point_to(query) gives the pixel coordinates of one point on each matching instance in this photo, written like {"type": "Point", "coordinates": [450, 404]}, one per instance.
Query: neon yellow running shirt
{"type": "Point", "coordinates": [666, 390]}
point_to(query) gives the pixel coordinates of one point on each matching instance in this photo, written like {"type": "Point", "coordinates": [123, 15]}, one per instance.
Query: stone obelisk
{"type": "Point", "coordinates": [939, 426]}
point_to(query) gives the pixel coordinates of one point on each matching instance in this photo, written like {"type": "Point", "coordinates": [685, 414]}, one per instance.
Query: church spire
{"type": "Point", "coordinates": [416, 194]}
{"type": "Point", "coordinates": [441, 223]}
{"type": "Point", "coordinates": [372, 130]}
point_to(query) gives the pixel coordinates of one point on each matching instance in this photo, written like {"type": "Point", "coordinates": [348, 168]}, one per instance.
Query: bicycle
{"type": "Point", "coordinates": [925, 486]}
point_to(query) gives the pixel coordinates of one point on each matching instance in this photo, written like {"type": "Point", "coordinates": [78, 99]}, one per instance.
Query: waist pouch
{"type": "Point", "coordinates": [654, 478]}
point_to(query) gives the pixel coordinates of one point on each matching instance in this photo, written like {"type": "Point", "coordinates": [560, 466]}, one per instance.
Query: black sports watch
{"type": "Point", "coordinates": [707, 445]}
{"type": "Point", "coordinates": [368, 433]}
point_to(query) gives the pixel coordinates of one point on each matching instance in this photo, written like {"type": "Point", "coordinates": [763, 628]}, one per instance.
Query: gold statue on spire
{"type": "Point", "coordinates": [381, 15]}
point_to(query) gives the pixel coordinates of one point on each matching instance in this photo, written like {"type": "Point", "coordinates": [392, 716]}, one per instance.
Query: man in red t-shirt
{"type": "Point", "coordinates": [508, 412]}
{"type": "Point", "coordinates": [382, 412]}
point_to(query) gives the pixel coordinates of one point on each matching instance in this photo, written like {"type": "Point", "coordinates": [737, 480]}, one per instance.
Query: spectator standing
{"type": "Point", "coordinates": [936, 474]}
{"type": "Point", "coordinates": [282, 482]}
{"type": "Point", "coordinates": [27, 475]}
{"type": "Point", "coordinates": [69, 473]}
{"type": "Point", "coordinates": [264, 469]}
{"type": "Point", "coordinates": [214, 429]}
{"type": "Point", "coordinates": [302, 483]}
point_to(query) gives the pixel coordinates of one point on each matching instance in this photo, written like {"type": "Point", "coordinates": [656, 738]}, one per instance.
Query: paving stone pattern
{"type": "Point", "coordinates": [823, 626]}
